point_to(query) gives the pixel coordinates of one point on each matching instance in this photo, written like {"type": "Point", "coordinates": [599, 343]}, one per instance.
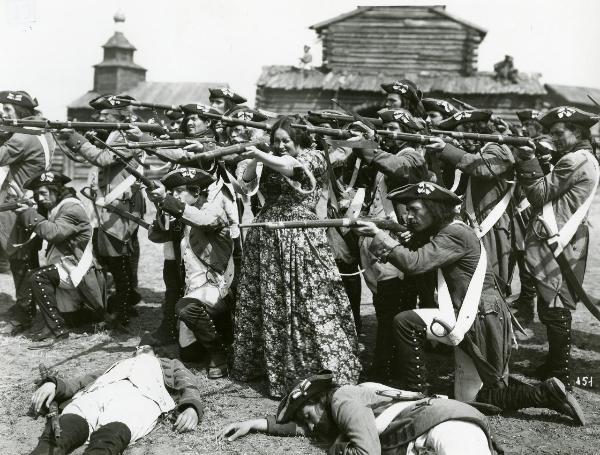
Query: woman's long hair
{"type": "Point", "coordinates": [300, 137]}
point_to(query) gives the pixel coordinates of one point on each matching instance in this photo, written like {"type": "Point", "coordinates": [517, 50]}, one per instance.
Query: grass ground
{"type": "Point", "coordinates": [531, 431]}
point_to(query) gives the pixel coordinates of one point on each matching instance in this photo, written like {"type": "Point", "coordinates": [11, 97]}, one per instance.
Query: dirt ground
{"type": "Point", "coordinates": [532, 431]}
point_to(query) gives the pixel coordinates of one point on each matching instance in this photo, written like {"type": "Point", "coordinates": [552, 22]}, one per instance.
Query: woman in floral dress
{"type": "Point", "coordinates": [293, 317]}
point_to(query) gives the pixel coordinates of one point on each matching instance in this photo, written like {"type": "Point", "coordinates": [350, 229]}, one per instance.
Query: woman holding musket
{"type": "Point", "coordinates": [473, 316]}
{"type": "Point", "coordinates": [293, 317]}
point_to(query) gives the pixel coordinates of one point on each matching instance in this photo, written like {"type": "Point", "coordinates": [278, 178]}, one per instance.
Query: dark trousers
{"type": "Point", "coordinates": [44, 282]}
{"type": "Point", "coordinates": [410, 333]}
{"type": "Point", "coordinates": [120, 268]}
{"type": "Point", "coordinates": [352, 285]}
{"type": "Point", "coordinates": [393, 296]}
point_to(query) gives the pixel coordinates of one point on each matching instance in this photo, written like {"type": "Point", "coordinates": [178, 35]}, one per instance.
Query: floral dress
{"type": "Point", "coordinates": [293, 317]}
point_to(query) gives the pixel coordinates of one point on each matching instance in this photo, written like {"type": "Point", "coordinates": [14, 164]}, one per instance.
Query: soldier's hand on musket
{"type": "Point", "coordinates": [134, 134]}
{"type": "Point", "coordinates": [43, 396]}
{"type": "Point", "coordinates": [157, 194]}
{"type": "Point", "coordinates": [524, 153]}
{"type": "Point", "coordinates": [65, 133]}
{"type": "Point", "coordinates": [406, 236]}
{"type": "Point", "coordinates": [23, 206]}
{"type": "Point", "coordinates": [252, 152]}
{"type": "Point", "coordinates": [365, 229]}
{"type": "Point", "coordinates": [196, 147]}
{"type": "Point", "coordinates": [361, 131]}
{"type": "Point", "coordinates": [436, 144]}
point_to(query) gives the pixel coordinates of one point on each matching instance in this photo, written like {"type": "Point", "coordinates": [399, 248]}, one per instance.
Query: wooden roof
{"type": "Point", "coordinates": [118, 40]}
{"type": "Point", "coordinates": [292, 78]}
{"type": "Point", "coordinates": [575, 95]}
{"type": "Point", "coordinates": [159, 92]}
{"type": "Point", "coordinates": [439, 9]}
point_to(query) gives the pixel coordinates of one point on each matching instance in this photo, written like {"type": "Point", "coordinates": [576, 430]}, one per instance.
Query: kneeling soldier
{"type": "Point", "coordinates": [70, 278]}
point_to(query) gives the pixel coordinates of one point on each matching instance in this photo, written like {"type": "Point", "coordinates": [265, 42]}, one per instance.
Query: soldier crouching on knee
{"type": "Point", "coordinates": [70, 277]}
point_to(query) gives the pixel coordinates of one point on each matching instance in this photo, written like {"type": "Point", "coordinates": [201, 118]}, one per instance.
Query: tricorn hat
{"type": "Point", "coordinates": [442, 106]}
{"type": "Point", "coordinates": [111, 102]}
{"type": "Point", "coordinates": [404, 87]}
{"type": "Point", "coordinates": [424, 190]}
{"type": "Point", "coordinates": [18, 98]}
{"type": "Point", "coordinates": [528, 115]}
{"type": "Point", "coordinates": [570, 115]}
{"type": "Point", "coordinates": [199, 108]}
{"type": "Point", "coordinates": [226, 93]}
{"type": "Point", "coordinates": [400, 116]}
{"type": "Point", "coordinates": [460, 117]}
{"type": "Point", "coordinates": [302, 393]}
{"type": "Point", "coordinates": [46, 178]}
{"type": "Point", "coordinates": [246, 113]}
{"type": "Point", "coordinates": [188, 177]}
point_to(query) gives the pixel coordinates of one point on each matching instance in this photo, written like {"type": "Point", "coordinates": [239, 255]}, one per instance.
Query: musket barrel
{"type": "Point", "coordinates": [225, 151]}
{"type": "Point", "coordinates": [162, 144]}
{"type": "Point", "coordinates": [332, 132]}
{"type": "Point", "coordinates": [48, 124]}
{"type": "Point", "coordinates": [496, 138]}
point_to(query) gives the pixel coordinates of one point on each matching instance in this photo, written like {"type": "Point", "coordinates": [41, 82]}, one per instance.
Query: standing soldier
{"type": "Point", "coordinates": [70, 278]}
{"type": "Point", "coordinates": [490, 186]}
{"type": "Point", "coordinates": [405, 94]}
{"type": "Point", "coordinates": [223, 100]}
{"type": "Point", "coordinates": [21, 157]}
{"type": "Point", "coordinates": [205, 249]}
{"type": "Point", "coordinates": [399, 164]}
{"type": "Point", "coordinates": [115, 244]}
{"type": "Point", "coordinates": [563, 198]}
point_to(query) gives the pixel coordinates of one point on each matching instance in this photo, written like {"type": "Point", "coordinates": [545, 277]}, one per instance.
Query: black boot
{"type": "Point", "coordinates": [410, 333]}
{"type": "Point", "coordinates": [194, 314]}
{"type": "Point", "coordinates": [557, 364]}
{"type": "Point", "coordinates": [111, 439]}
{"type": "Point", "coordinates": [120, 269]}
{"type": "Point", "coordinates": [74, 431]}
{"type": "Point", "coordinates": [550, 394]}
{"type": "Point", "coordinates": [44, 282]}
{"type": "Point", "coordinates": [166, 332]}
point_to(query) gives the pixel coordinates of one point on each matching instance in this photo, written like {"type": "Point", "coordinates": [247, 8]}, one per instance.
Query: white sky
{"type": "Point", "coordinates": [49, 46]}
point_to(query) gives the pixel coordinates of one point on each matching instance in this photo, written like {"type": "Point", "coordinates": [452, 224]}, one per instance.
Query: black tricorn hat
{"type": "Point", "coordinates": [424, 190]}
{"type": "Point", "coordinates": [460, 117]}
{"type": "Point", "coordinates": [302, 393]}
{"type": "Point", "coordinates": [402, 117]}
{"type": "Point", "coordinates": [226, 93]}
{"type": "Point", "coordinates": [246, 113]}
{"type": "Point", "coordinates": [442, 106]}
{"type": "Point", "coordinates": [570, 115]}
{"type": "Point", "coordinates": [18, 98]}
{"type": "Point", "coordinates": [188, 177]}
{"type": "Point", "coordinates": [199, 108]}
{"type": "Point", "coordinates": [46, 178]}
{"type": "Point", "coordinates": [404, 87]}
{"type": "Point", "coordinates": [528, 114]}
{"type": "Point", "coordinates": [111, 102]}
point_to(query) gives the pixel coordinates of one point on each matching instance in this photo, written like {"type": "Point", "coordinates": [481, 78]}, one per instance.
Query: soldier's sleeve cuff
{"type": "Point", "coordinates": [452, 155]}
{"type": "Point", "coordinates": [75, 141]}
{"type": "Point", "coordinates": [31, 218]}
{"type": "Point", "coordinates": [366, 155]}
{"type": "Point", "coordinates": [172, 206]}
{"type": "Point", "coordinates": [382, 245]}
{"type": "Point", "coordinates": [281, 429]}
{"type": "Point", "coordinates": [529, 169]}
{"type": "Point", "coordinates": [191, 403]}
{"type": "Point", "coordinates": [61, 388]}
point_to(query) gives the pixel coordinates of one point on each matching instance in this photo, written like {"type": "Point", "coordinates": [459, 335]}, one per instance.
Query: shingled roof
{"type": "Point", "coordinates": [292, 78]}
{"type": "Point", "coordinates": [574, 94]}
{"type": "Point", "coordinates": [159, 92]}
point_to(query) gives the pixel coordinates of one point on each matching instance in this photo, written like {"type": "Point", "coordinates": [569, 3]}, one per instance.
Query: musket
{"type": "Point", "coordinates": [115, 101]}
{"type": "Point", "coordinates": [53, 411]}
{"type": "Point", "coordinates": [593, 100]}
{"type": "Point", "coordinates": [496, 138]}
{"type": "Point", "coordinates": [83, 126]}
{"type": "Point", "coordinates": [13, 205]}
{"type": "Point", "coordinates": [342, 118]}
{"type": "Point", "coordinates": [389, 225]}
{"type": "Point", "coordinates": [125, 161]}
{"type": "Point", "coordinates": [567, 272]}
{"type": "Point", "coordinates": [172, 143]}
{"type": "Point", "coordinates": [87, 192]}
{"type": "Point", "coordinates": [221, 152]}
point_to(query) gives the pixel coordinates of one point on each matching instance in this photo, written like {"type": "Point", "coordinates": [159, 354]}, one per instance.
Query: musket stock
{"type": "Point", "coordinates": [13, 205]}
